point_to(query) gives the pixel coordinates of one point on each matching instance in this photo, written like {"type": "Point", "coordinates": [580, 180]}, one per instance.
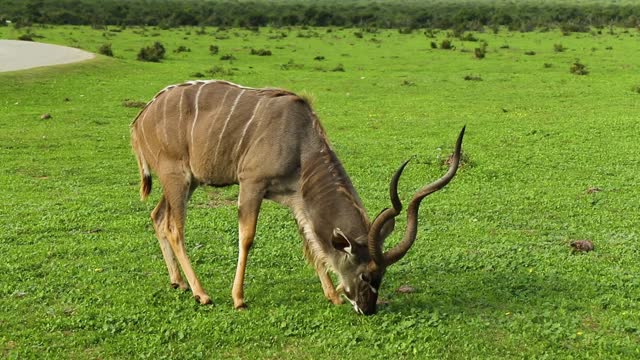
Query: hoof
{"type": "Point", "coordinates": [240, 307]}
{"type": "Point", "coordinates": [181, 286]}
{"type": "Point", "coordinates": [203, 300]}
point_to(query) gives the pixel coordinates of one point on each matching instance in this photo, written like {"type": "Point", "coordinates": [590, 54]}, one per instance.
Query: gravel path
{"type": "Point", "coordinates": [19, 55]}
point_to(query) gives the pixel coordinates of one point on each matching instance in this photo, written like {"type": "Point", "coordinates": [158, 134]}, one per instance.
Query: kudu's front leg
{"type": "Point", "coordinates": [327, 285]}
{"type": "Point", "coordinates": [249, 201]}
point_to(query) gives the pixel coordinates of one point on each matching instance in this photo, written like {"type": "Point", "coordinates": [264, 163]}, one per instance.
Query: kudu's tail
{"type": "Point", "coordinates": [145, 173]}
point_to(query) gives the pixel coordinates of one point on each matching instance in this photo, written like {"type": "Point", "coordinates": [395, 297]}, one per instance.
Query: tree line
{"type": "Point", "coordinates": [440, 14]}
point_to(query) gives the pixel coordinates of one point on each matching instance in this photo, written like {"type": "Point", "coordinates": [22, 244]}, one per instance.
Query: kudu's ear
{"type": "Point", "coordinates": [340, 241]}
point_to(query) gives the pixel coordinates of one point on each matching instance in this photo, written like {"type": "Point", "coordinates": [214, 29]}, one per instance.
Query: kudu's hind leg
{"type": "Point", "coordinates": [159, 217]}
{"type": "Point", "coordinates": [177, 189]}
{"type": "Point", "coordinates": [249, 201]}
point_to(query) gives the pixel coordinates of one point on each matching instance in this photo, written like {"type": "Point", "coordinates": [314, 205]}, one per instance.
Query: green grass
{"type": "Point", "coordinates": [82, 276]}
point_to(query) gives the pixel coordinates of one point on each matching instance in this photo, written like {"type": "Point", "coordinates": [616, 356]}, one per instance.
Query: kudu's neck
{"type": "Point", "coordinates": [330, 201]}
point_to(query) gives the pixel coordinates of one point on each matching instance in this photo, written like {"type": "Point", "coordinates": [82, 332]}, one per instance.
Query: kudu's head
{"type": "Point", "coordinates": [362, 267]}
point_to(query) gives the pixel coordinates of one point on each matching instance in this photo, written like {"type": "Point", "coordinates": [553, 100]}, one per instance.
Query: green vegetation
{"type": "Point", "coordinates": [550, 158]}
{"type": "Point", "coordinates": [522, 15]}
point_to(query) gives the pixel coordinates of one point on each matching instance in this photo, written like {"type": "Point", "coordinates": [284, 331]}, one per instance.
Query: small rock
{"type": "Point", "coordinates": [593, 190]}
{"type": "Point", "coordinates": [582, 245]}
{"type": "Point", "coordinates": [45, 116]}
{"type": "Point", "coordinates": [406, 289]}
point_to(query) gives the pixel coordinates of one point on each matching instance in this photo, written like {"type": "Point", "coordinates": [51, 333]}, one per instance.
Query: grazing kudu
{"type": "Point", "coordinates": [270, 142]}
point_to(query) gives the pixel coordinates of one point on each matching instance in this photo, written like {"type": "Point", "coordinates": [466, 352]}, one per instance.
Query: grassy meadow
{"type": "Point", "coordinates": [550, 157]}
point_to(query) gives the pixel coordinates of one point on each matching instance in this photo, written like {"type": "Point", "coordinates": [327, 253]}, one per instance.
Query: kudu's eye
{"type": "Point", "coordinates": [364, 277]}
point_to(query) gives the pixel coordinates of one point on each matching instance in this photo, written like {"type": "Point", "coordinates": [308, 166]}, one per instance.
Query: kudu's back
{"type": "Point", "coordinates": [219, 133]}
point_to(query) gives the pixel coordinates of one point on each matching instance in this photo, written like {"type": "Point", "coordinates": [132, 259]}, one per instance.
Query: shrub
{"type": "Point", "coordinates": [181, 49]}
{"type": "Point", "coordinates": [319, 58]}
{"type": "Point", "coordinates": [227, 57]}
{"type": "Point", "coordinates": [578, 68]}
{"type": "Point", "coordinates": [358, 34]}
{"type": "Point", "coordinates": [197, 74]}
{"type": "Point", "coordinates": [481, 51]}
{"type": "Point", "coordinates": [558, 48]}
{"type": "Point", "coordinates": [153, 53]}
{"type": "Point", "coordinates": [434, 45]}
{"type": "Point", "coordinates": [106, 50]}
{"type": "Point", "coordinates": [473, 78]}
{"type": "Point", "coordinates": [261, 52]}
{"type": "Point", "coordinates": [468, 37]}
{"type": "Point", "coordinates": [26, 37]}
{"type": "Point", "coordinates": [213, 49]}
{"type": "Point", "coordinates": [547, 65]}
{"type": "Point", "coordinates": [530, 53]}
{"type": "Point", "coordinates": [218, 70]}
{"type": "Point", "coordinates": [446, 45]}
{"type": "Point", "coordinates": [636, 89]}
{"type": "Point", "coordinates": [291, 65]}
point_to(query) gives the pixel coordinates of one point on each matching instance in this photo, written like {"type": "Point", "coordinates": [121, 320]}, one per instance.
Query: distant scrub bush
{"type": "Point", "coordinates": [291, 65]}
{"type": "Point", "coordinates": [434, 45]}
{"type": "Point", "coordinates": [153, 53]}
{"type": "Point", "coordinates": [227, 57]}
{"type": "Point", "coordinates": [358, 34]}
{"type": "Point", "coordinates": [636, 89]}
{"type": "Point", "coordinates": [481, 51]}
{"type": "Point", "coordinates": [472, 78]}
{"type": "Point", "coordinates": [468, 37]}
{"type": "Point", "coordinates": [218, 70]}
{"type": "Point", "coordinates": [261, 52]}
{"type": "Point", "coordinates": [213, 49]}
{"type": "Point", "coordinates": [578, 68]}
{"type": "Point", "coordinates": [559, 48]}
{"type": "Point", "coordinates": [547, 65]}
{"type": "Point", "coordinates": [181, 49]}
{"type": "Point", "coordinates": [319, 58]}
{"type": "Point", "coordinates": [197, 74]}
{"type": "Point", "coordinates": [530, 52]}
{"type": "Point", "coordinates": [105, 49]}
{"type": "Point", "coordinates": [446, 44]}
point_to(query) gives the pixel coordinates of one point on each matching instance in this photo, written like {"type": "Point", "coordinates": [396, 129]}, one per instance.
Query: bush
{"type": "Point", "coordinates": [213, 49]}
{"type": "Point", "coordinates": [636, 89]}
{"type": "Point", "coordinates": [319, 58]}
{"type": "Point", "coordinates": [578, 68]}
{"type": "Point", "coordinates": [153, 53]}
{"type": "Point", "coordinates": [530, 53]}
{"type": "Point", "coordinates": [472, 78]}
{"type": "Point", "coordinates": [468, 37]}
{"type": "Point", "coordinates": [26, 37]}
{"type": "Point", "coordinates": [547, 65]}
{"type": "Point", "coordinates": [218, 70]}
{"type": "Point", "coordinates": [105, 49]}
{"type": "Point", "coordinates": [481, 51]}
{"type": "Point", "coordinates": [446, 45]}
{"type": "Point", "coordinates": [261, 52]}
{"type": "Point", "coordinates": [228, 57]}
{"type": "Point", "coordinates": [558, 48]}
{"type": "Point", "coordinates": [434, 45]}
{"type": "Point", "coordinates": [291, 65]}
{"type": "Point", "coordinates": [358, 34]}
{"type": "Point", "coordinates": [181, 49]}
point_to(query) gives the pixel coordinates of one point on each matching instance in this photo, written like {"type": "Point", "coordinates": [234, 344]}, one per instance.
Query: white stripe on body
{"type": "Point", "coordinates": [195, 117]}
{"type": "Point", "coordinates": [226, 122]}
{"type": "Point", "coordinates": [244, 132]}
